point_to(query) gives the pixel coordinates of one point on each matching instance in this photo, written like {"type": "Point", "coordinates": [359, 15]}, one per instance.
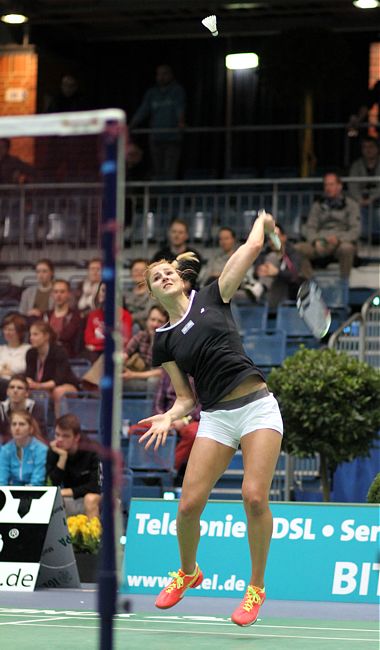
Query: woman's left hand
{"type": "Point", "coordinates": [159, 429]}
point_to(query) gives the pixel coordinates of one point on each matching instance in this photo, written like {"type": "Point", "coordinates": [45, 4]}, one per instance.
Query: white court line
{"type": "Point", "coordinates": [234, 634]}
{"type": "Point", "coordinates": [37, 620]}
{"type": "Point", "coordinates": [167, 619]}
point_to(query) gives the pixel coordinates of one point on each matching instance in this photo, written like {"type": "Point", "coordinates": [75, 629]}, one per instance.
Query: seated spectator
{"type": "Point", "coordinates": [367, 165]}
{"type": "Point", "coordinates": [332, 228]}
{"type": "Point", "coordinates": [37, 299]}
{"type": "Point", "coordinates": [47, 365]}
{"type": "Point", "coordinates": [87, 289]}
{"type": "Point", "coordinates": [138, 374]}
{"type": "Point", "coordinates": [64, 320]}
{"type": "Point", "coordinates": [23, 459]}
{"type": "Point", "coordinates": [178, 235]}
{"type": "Point", "coordinates": [18, 400]}
{"type": "Point", "coordinates": [73, 468]}
{"type": "Point", "coordinates": [13, 353]}
{"type": "Point", "coordinates": [12, 168]}
{"type": "Point", "coordinates": [214, 267]}
{"type": "Point", "coordinates": [68, 98]}
{"type": "Point", "coordinates": [94, 332]}
{"type": "Point", "coordinates": [277, 272]}
{"type": "Point", "coordinates": [137, 300]}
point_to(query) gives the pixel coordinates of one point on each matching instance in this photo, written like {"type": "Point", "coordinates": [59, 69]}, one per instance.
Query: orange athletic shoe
{"type": "Point", "coordinates": [248, 610]}
{"type": "Point", "coordinates": [175, 590]}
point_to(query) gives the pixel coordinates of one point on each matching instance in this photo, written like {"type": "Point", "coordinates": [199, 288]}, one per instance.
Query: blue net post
{"type": "Point", "coordinates": [112, 215]}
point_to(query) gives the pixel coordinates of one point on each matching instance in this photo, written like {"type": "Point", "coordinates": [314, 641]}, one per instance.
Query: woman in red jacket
{"type": "Point", "coordinates": [94, 336]}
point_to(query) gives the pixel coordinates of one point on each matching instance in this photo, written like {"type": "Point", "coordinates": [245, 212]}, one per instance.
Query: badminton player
{"type": "Point", "coordinates": [201, 340]}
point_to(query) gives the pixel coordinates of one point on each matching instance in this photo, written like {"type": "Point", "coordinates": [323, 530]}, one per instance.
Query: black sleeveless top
{"type": "Point", "coordinates": [206, 344]}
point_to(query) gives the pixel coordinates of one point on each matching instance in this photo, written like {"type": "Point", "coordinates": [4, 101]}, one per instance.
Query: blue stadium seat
{"type": "Point", "coordinates": [41, 397]}
{"type": "Point", "coordinates": [151, 465]}
{"type": "Point", "coordinates": [250, 317]}
{"type": "Point", "coordinates": [135, 408]}
{"type": "Point", "coordinates": [266, 348]}
{"type": "Point", "coordinates": [297, 332]}
{"type": "Point", "coordinates": [86, 406]}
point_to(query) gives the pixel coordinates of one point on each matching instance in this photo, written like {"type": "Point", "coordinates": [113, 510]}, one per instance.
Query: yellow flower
{"type": "Point", "coordinates": [85, 533]}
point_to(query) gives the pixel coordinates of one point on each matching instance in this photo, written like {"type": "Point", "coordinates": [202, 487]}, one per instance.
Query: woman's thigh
{"type": "Point", "coordinates": [260, 450]}
{"type": "Point", "coordinates": [207, 462]}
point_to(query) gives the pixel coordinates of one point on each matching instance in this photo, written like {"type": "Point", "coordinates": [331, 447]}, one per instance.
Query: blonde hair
{"type": "Point", "coordinates": [178, 265]}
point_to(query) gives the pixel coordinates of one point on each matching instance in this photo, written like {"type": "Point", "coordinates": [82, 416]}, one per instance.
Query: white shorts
{"type": "Point", "coordinates": [228, 426]}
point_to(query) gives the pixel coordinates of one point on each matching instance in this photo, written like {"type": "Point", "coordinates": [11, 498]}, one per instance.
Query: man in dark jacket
{"type": "Point", "coordinates": [74, 469]}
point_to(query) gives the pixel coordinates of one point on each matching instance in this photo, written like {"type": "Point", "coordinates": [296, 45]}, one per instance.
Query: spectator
{"type": "Point", "coordinates": [138, 374]}
{"type": "Point", "coordinates": [74, 468]}
{"type": "Point", "coordinates": [137, 300]}
{"type": "Point", "coordinates": [64, 321]}
{"type": "Point", "coordinates": [12, 168]}
{"type": "Point", "coordinates": [18, 400]}
{"type": "Point", "coordinates": [164, 105]}
{"type": "Point", "coordinates": [13, 353]}
{"type": "Point", "coordinates": [178, 235]}
{"type": "Point", "coordinates": [94, 333]}
{"type": "Point", "coordinates": [87, 289]}
{"type": "Point", "coordinates": [135, 166]}
{"type": "Point", "coordinates": [373, 97]}
{"type": "Point", "coordinates": [278, 273]}
{"type": "Point", "coordinates": [69, 98]}
{"type": "Point", "coordinates": [47, 365]}
{"type": "Point", "coordinates": [367, 165]}
{"type": "Point", "coordinates": [185, 427]}
{"type": "Point", "coordinates": [227, 245]}
{"type": "Point", "coordinates": [37, 299]}
{"type": "Point", "coordinates": [23, 459]}
{"type": "Point", "coordinates": [332, 228]}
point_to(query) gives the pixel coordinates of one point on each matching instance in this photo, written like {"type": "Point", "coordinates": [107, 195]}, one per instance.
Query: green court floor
{"type": "Point", "coordinates": [70, 630]}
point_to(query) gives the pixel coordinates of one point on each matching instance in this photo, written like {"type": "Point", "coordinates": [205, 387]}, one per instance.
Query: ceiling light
{"type": "Point", "coordinates": [242, 61]}
{"type": "Point", "coordinates": [366, 4]}
{"type": "Point", "coordinates": [235, 6]}
{"type": "Point", "coordinates": [14, 19]}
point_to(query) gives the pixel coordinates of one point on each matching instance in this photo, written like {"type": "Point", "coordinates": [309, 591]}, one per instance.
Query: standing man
{"type": "Point", "coordinates": [332, 228]}
{"type": "Point", "coordinates": [64, 321]}
{"type": "Point", "coordinates": [164, 105]}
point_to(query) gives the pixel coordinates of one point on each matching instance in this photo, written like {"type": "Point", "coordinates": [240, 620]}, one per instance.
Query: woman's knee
{"type": "Point", "coordinates": [256, 498]}
{"type": "Point", "coordinates": [191, 506]}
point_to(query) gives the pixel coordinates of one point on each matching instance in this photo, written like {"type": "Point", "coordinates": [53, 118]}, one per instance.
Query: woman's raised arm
{"type": "Point", "coordinates": [243, 258]}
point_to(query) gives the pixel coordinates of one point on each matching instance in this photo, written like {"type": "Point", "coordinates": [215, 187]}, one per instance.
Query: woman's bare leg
{"type": "Point", "coordinates": [260, 454]}
{"type": "Point", "coordinates": [207, 462]}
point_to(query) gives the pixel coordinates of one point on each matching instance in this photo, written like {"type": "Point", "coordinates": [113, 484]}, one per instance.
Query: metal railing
{"type": "Point", "coordinates": [67, 215]}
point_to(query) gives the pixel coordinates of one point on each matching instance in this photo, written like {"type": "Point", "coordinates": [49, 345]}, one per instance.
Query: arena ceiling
{"type": "Point", "coordinates": [123, 20]}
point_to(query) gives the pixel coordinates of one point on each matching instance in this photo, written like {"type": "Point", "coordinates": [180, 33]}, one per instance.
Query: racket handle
{"type": "Point", "coordinates": [276, 241]}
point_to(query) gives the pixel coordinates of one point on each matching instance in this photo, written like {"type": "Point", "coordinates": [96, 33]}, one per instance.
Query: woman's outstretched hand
{"type": "Point", "coordinates": [159, 429]}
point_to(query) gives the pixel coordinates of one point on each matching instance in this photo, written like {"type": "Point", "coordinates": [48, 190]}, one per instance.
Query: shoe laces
{"type": "Point", "coordinates": [251, 598]}
{"type": "Point", "coordinates": [176, 583]}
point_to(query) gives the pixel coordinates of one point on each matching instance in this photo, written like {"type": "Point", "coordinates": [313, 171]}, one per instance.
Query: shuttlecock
{"type": "Point", "coordinates": [210, 23]}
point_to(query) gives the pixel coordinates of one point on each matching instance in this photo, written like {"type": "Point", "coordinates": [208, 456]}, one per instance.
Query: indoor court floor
{"type": "Point", "coordinates": [67, 620]}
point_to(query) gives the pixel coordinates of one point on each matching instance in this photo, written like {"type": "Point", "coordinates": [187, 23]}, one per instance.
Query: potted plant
{"type": "Point", "coordinates": [330, 403]}
{"type": "Point", "coordinates": [85, 536]}
{"type": "Point", "coordinates": [374, 490]}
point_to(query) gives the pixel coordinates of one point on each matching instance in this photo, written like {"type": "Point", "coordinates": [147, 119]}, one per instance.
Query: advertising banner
{"type": "Point", "coordinates": [319, 552]}
{"type": "Point", "coordinates": [35, 546]}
